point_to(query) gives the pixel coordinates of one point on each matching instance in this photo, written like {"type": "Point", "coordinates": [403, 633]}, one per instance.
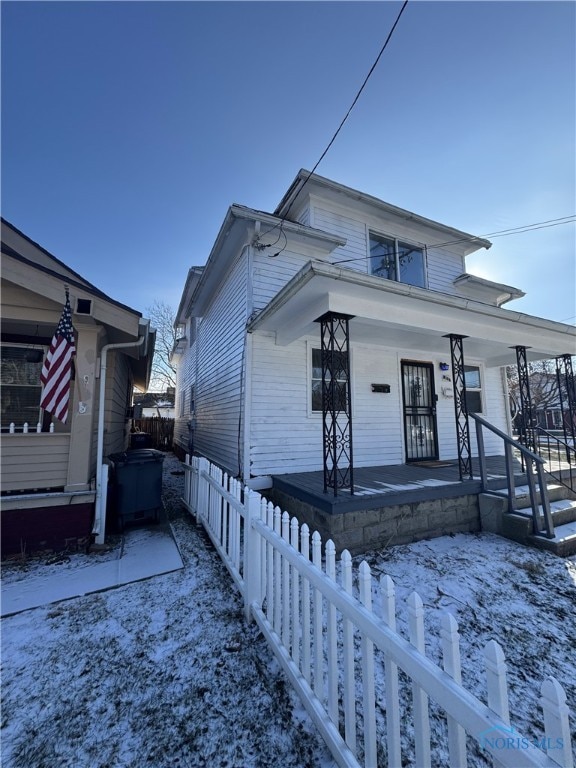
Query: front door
{"type": "Point", "coordinates": [419, 403]}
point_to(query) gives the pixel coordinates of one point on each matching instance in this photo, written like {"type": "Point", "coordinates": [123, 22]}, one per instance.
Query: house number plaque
{"type": "Point", "coordinates": [381, 388]}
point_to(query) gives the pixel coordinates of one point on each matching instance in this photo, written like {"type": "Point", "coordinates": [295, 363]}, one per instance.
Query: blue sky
{"type": "Point", "coordinates": [128, 128]}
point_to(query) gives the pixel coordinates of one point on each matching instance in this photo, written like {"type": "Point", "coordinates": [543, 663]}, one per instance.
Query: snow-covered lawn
{"type": "Point", "coordinates": [166, 672]}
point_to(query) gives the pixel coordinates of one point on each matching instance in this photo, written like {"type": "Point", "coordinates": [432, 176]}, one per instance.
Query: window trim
{"type": "Point", "coordinates": [40, 418]}
{"type": "Point", "coordinates": [421, 247]}
{"type": "Point", "coordinates": [479, 389]}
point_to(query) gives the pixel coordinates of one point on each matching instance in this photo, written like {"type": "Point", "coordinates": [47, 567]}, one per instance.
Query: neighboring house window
{"type": "Point", "coordinates": [192, 333]}
{"type": "Point", "coordinates": [341, 388]}
{"type": "Point", "coordinates": [396, 260]}
{"type": "Point", "coordinates": [473, 388]}
{"type": "Point", "coordinates": [183, 403]}
{"type": "Point", "coordinates": [192, 402]}
{"type": "Point", "coordinates": [20, 370]}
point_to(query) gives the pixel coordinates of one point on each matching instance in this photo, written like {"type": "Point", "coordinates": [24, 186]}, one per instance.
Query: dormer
{"type": "Point", "coordinates": [382, 239]}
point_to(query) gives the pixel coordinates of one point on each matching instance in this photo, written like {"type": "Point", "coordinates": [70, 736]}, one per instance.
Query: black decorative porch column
{"type": "Point", "coordinates": [567, 395]}
{"type": "Point", "coordinates": [527, 431]}
{"type": "Point", "coordinates": [460, 406]}
{"type": "Point", "coordinates": [336, 402]}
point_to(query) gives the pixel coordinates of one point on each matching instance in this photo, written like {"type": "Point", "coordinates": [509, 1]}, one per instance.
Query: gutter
{"type": "Point", "coordinates": [99, 528]}
{"type": "Point", "coordinates": [311, 270]}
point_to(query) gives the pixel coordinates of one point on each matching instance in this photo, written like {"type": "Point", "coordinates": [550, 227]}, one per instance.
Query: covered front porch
{"type": "Point", "coordinates": [448, 352]}
{"type": "Point", "coordinates": [391, 505]}
{"type": "Point", "coordinates": [386, 486]}
{"type": "Point", "coordinates": [398, 504]}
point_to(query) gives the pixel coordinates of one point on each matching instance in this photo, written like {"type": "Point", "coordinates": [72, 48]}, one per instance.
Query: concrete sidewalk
{"type": "Point", "coordinates": [146, 552]}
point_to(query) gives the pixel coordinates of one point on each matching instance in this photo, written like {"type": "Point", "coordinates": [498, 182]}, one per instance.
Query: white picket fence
{"type": "Point", "coordinates": [325, 638]}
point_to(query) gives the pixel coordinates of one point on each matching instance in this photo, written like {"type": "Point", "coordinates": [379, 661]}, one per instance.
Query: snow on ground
{"type": "Point", "coordinates": [166, 672]}
{"type": "Point", "coordinates": [496, 590]}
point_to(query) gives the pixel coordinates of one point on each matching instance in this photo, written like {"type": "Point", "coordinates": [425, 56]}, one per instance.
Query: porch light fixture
{"type": "Point", "coordinates": [444, 367]}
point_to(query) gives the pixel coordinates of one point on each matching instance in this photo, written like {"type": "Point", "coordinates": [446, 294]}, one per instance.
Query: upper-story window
{"type": "Point", "coordinates": [396, 260]}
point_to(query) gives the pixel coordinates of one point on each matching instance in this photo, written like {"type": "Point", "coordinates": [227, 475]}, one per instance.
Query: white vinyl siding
{"type": "Point", "coordinates": [443, 264]}
{"type": "Point", "coordinates": [353, 255]}
{"type": "Point", "coordinates": [443, 267]}
{"type": "Point", "coordinates": [34, 461]}
{"type": "Point", "coordinates": [283, 437]}
{"type": "Point", "coordinates": [220, 340]}
{"type": "Point", "coordinates": [287, 437]}
{"type": "Point", "coordinates": [377, 417]}
{"type": "Point", "coordinates": [270, 275]}
{"type": "Point", "coordinates": [185, 380]}
{"type": "Point", "coordinates": [494, 411]}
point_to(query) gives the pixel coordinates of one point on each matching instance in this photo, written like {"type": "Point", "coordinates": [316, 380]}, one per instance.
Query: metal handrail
{"type": "Point", "coordinates": [550, 449]}
{"type": "Point", "coordinates": [534, 470]}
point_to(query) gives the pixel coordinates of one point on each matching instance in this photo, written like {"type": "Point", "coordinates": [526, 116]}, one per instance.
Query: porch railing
{"type": "Point", "coordinates": [25, 429]}
{"type": "Point", "coordinates": [344, 658]}
{"type": "Point", "coordinates": [559, 455]}
{"type": "Point", "coordinates": [542, 524]}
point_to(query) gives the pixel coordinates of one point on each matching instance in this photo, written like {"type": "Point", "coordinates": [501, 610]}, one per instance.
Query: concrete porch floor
{"type": "Point", "coordinates": [382, 486]}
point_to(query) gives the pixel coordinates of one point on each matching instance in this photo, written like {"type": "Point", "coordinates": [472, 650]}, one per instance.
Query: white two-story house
{"type": "Point", "coordinates": [377, 300]}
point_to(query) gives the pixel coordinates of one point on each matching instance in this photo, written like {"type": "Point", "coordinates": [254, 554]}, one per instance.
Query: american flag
{"type": "Point", "coordinates": [57, 368]}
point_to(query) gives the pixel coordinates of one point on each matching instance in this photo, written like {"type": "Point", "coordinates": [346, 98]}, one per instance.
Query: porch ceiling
{"type": "Point", "coordinates": [405, 317]}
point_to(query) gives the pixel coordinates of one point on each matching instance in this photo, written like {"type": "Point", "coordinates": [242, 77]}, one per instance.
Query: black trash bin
{"type": "Point", "coordinates": [137, 483]}
{"type": "Point", "coordinates": [140, 440]}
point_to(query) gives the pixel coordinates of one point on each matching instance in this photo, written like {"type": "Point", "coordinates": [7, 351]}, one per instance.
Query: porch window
{"type": "Point", "coordinates": [341, 388]}
{"type": "Point", "coordinates": [397, 260]}
{"type": "Point", "coordinates": [20, 369]}
{"type": "Point", "coordinates": [473, 388]}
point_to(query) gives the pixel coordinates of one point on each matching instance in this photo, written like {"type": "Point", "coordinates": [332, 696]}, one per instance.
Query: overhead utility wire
{"type": "Point", "coordinates": [512, 230]}
{"type": "Point", "coordinates": [323, 155]}
{"type": "Point", "coordinates": [500, 233]}
{"type": "Point", "coordinates": [372, 68]}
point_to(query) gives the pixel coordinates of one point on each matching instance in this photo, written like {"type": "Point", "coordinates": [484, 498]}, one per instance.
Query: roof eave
{"type": "Point", "coordinates": [303, 176]}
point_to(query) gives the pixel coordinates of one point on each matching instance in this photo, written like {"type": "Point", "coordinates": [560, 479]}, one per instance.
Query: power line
{"type": "Point", "coordinates": [323, 155]}
{"type": "Point", "coordinates": [499, 233]}
{"type": "Point", "coordinates": [512, 230]}
{"type": "Point", "coordinates": [372, 68]}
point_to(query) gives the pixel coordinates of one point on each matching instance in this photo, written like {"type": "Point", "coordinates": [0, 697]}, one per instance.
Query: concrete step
{"type": "Point", "coordinates": [556, 492]}
{"type": "Point", "coordinates": [563, 544]}
{"type": "Point", "coordinates": [562, 511]}
{"type": "Point", "coordinates": [518, 525]}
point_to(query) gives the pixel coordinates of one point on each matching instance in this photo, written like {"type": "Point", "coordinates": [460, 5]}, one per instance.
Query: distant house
{"type": "Point", "coordinates": [50, 470]}
{"type": "Point", "coordinates": [338, 285]}
{"type": "Point", "coordinates": [155, 404]}
{"type": "Point", "coordinates": [549, 402]}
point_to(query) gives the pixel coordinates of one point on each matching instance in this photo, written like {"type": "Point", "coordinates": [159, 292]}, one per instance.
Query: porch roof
{"type": "Point", "coordinates": [397, 315]}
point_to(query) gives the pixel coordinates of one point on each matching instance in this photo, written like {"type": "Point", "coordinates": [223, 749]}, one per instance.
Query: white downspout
{"type": "Point", "coordinates": [100, 516]}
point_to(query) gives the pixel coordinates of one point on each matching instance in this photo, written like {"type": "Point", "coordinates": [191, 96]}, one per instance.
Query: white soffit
{"type": "Point", "coordinates": [392, 314]}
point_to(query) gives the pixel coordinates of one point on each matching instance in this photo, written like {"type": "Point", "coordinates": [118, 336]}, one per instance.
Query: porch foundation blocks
{"type": "Point", "coordinates": [377, 528]}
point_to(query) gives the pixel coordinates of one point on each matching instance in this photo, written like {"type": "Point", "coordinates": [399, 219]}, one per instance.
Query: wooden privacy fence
{"type": "Point", "coordinates": [330, 643]}
{"type": "Point", "coordinates": [160, 429]}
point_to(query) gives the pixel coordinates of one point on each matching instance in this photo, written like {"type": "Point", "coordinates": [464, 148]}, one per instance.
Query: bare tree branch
{"type": "Point", "coordinates": [162, 318]}
{"type": "Point", "coordinates": [544, 391]}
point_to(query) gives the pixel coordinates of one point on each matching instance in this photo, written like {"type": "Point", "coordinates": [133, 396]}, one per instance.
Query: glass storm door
{"type": "Point", "coordinates": [419, 403]}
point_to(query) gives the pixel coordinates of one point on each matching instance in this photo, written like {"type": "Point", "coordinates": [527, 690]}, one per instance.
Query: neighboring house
{"type": "Point", "coordinates": [153, 404]}
{"type": "Point", "coordinates": [548, 402]}
{"type": "Point", "coordinates": [50, 478]}
{"type": "Point", "coordinates": [382, 290]}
